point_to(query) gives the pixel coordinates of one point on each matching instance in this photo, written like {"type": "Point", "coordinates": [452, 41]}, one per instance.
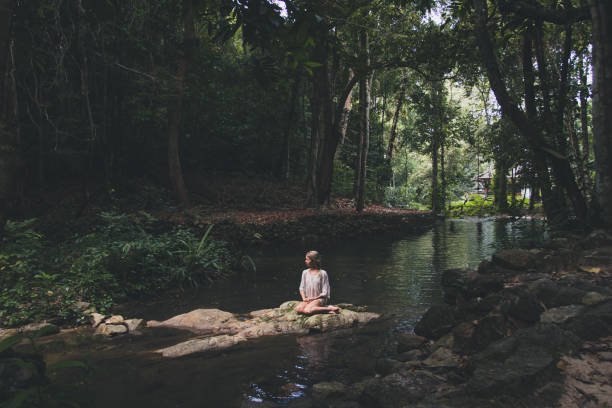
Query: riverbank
{"type": "Point", "coordinates": [114, 256]}
{"type": "Point", "coordinates": [528, 328]}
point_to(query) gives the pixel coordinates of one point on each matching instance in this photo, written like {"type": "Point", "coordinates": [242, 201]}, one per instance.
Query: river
{"type": "Point", "coordinates": [396, 276]}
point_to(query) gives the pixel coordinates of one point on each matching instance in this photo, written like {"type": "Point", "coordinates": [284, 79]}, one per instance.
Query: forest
{"type": "Point", "coordinates": [454, 157]}
{"type": "Point", "coordinates": [402, 103]}
{"type": "Point", "coordinates": [112, 106]}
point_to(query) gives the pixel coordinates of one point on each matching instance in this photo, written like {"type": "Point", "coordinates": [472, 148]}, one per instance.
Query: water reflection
{"type": "Point", "coordinates": [400, 278]}
{"type": "Point", "coordinates": [396, 277]}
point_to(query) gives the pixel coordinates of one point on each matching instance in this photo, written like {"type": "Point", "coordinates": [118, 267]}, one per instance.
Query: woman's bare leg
{"type": "Point", "coordinates": [300, 307]}
{"type": "Point", "coordinates": [315, 307]}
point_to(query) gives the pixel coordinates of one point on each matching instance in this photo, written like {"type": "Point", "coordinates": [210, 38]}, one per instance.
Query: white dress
{"type": "Point", "coordinates": [315, 285]}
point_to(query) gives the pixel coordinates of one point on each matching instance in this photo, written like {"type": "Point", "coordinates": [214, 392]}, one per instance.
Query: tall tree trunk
{"type": "Point", "coordinates": [174, 110]}
{"type": "Point", "coordinates": [364, 132]}
{"type": "Point", "coordinates": [9, 125]}
{"type": "Point", "coordinates": [501, 185]}
{"type": "Point", "coordinates": [284, 167]}
{"type": "Point", "coordinates": [320, 103]}
{"type": "Point", "coordinates": [393, 131]}
{"type": "Point", "coordinates": [435, 145]}
{"type": "Point", "coordinates": [85, 99]}
{"type": "Point", "coordinates": [346, 111]}
{"type": "Point", "coordinates": [601, 15]}
{"type": "Point", "coordinates": [584, 128]}
{"type": "Point", "coordinates": [539, 161]}
{"type": "Point", "coordinates": [442, 176]}
{"type": "Point", "coordinates": [333, 119]}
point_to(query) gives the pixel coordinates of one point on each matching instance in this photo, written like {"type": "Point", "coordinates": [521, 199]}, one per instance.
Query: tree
{"type": "Point", "coordinates": [364, 113]}
{"type": "Point", "coordinates": [601, 16]}
{"type": "Point", "coordinates": [9, 125]}
{"type": "Point", "coordinates": [176, 106]}
{"type": "Point", "coordinates": [545, 152]}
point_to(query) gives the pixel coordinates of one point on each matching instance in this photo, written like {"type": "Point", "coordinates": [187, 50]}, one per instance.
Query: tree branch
{"type": "Point", "coordinates": [535, 11]}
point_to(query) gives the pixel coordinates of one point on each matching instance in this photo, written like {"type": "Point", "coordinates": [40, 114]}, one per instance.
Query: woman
{"type": "Point", "coordinates": [314, 288]}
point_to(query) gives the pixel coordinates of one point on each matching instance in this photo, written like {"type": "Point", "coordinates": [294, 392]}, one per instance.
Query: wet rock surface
{"type": "Point", "coordinates": [225, 329]}
{"type": "Point", "coordinates": [527, 328]}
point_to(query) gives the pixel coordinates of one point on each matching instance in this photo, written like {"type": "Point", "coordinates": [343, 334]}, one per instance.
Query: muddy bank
{"type": "Point", "coordinates": [528, 328]}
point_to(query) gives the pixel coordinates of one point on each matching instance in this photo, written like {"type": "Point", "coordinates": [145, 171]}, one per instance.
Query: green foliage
{"type": "Point", "coordinates": [122, 256]}
{"type": "Point", "coordinates": [475, 205]}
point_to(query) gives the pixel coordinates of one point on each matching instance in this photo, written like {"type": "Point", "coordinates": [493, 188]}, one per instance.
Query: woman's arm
{"type": "Point", "coordinates": [325, 289]}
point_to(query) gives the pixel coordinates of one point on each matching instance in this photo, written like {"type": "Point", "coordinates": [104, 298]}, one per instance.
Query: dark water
{"type": "Point", "coordinates": [397, 277]}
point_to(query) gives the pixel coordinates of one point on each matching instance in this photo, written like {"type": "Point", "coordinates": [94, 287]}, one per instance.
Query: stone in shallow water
{"type": "Point", "coordinates": [228, 329]}
{"type": "Point", "coordinates": [116, 319]}
{"type": "Point", "coordinates": [199, 320]}
{"type": "Point", "coordinates": [110, 329]}
{"type": "Point", "coordinates": [96, 319]}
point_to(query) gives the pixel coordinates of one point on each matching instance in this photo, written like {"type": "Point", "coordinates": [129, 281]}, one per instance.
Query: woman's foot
{"type": "Point", "coordinates": [335, 310]}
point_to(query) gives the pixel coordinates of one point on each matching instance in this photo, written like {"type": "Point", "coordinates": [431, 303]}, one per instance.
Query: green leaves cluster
{"type": "Point", "coordinates": [124, 255]}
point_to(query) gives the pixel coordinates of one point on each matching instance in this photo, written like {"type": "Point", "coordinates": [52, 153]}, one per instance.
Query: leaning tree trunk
{"type": "Point", "coordinates": [398, 109]}
{"type": "Point", "coordinates": [9, 125]}
{"type": "Point", "coordinates": [601, 15]}
{"type": "Point", "coordinates": [174, 110]}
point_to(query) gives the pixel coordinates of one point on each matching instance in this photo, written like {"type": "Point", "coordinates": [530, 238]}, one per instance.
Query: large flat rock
{"type": "Point", "coordinates": [226, 329]}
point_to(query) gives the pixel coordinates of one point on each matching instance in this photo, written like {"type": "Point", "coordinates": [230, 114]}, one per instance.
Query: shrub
{"type": "Point", "coordinates": [122, 256]}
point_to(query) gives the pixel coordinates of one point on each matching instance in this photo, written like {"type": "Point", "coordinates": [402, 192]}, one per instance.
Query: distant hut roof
{"type": "Point", "coordinates": [487, 175]}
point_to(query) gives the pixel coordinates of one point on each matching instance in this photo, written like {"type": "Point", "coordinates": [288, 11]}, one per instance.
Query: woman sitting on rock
{"type": "Point", "coordinates": [314, 288]}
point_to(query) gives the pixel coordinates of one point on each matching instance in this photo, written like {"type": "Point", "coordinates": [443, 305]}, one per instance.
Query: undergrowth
{"type": "Point", "coordinates": [124, 255]}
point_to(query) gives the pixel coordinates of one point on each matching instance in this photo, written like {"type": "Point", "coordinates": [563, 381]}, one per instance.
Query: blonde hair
{"type": "Point", "coordinates": [315, 259]}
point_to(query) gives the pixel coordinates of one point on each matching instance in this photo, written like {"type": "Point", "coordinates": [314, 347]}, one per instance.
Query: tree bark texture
{"type": "Point", "coordinates": [364, 131]}
{"type": "Point", "coordinates": [176, 106]}
{"type": "Point", "coordinates": [393, 131]}
{"type": "Point", "coordinates": [9, 126]}
{"type": "Point", "coordinates": [329, 122]}
{"type": "Point", "coordinates": [584, 128]}
{"type": "Point", "coordinates": [601, 15]}
{"type": "Point", "coordinates": [284, 167]}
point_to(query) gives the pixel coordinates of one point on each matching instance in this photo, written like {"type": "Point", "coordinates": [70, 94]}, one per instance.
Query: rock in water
{"type": "Point", "coordinates": [228, 329]}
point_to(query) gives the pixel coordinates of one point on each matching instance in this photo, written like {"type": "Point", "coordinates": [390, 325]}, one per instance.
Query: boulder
{"type": "Point", "coordinates": [133, 324]}
{"type": "Point", "coordinates": [110, 329]}
{"type": "Point", "coordinates": [396, 390]}
{"type": "Point", "coordinates": [407, 342]}
{"type": "Point", "coordinates": [328, 390]}
{"type": "Point", "coordinates": [116, 319]}
{"type": "Point", "coordinates": [514, 259]}
{"type": "Point", "coordinates": [227, 329]}
{"type": "Point", "coordinates": [436, 322]}
{"type": "Point", "coordinates": [593, 298]}
{"type": "Point", "coordinates": [412, 355]}
{"type": "Point", "coordinates": [560, 314]}
{"type": "Point", "coordinates": [594, 322]}
{"type": "Point", "coordinates": [442, 357]}
{"type": "Point", "coordinates": [199, 321]}
{"type": "Point", "coordinates": [214, 343]}
{"type": "Point", "coordinates": [96, 319]}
